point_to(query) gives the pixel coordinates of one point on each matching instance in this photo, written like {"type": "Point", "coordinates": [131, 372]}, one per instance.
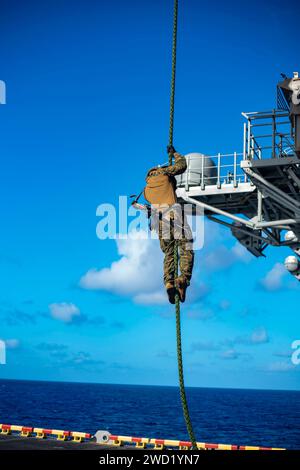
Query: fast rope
{"type": "Point", "coordinates": [184, 403]}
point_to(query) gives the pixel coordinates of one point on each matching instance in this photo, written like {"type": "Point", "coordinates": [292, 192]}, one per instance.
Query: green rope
{"type": "Point", "coordinates": [177, 301]}
{"type": "Point", "coordinates": [173, 78]}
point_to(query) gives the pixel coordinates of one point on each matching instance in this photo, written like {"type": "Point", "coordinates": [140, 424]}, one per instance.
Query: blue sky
{"type": "Point", "coordinates": [86, 115]}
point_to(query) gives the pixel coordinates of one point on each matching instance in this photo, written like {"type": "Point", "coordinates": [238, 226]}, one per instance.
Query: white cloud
{"type": "Point", "coordinates": [151, 298]}
{"type": "Point", "coordinates": [201, 312]}
{"type": "Point", "coordinates": [285, 354]}
{"type": "Point", "coordinates": [229, 354]}
{"type": "Point", "coordinates": [241, 253]}
{"type": "Point", "coordinates": [259, 336]}
{"type": "Point", "coordinates": [280, 366]}
{"type": "Point", "coordinates": [273, 280]}
{"type": "Point", "coordinates": [12, 343]}
{"type": "Point", "coordinates": [138, 271]}
{"type": "Point", "coordinates": [204, 346]}
{"type": "Point", "coordinates": [65, 312]}
{"type": "Point", "coordinates": [221, 257]}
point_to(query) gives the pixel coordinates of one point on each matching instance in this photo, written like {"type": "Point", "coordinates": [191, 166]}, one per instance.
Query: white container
{"type": "Point", "coordinates": [196, 164]}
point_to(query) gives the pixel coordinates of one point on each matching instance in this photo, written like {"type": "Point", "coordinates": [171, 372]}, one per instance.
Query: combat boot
{"type": "Point", "coordinates": [171, 291]}
{"type": "Point", "coordinates": [181, 286]}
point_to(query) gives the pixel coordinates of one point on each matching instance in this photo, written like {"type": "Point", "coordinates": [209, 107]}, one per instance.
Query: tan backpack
{"type": "Point", "coordinates": [160, 189]}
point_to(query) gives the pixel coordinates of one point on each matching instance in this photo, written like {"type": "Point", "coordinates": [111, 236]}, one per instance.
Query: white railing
{"type": "Point", "coordinates": [268, 134]}
{"type": "Point", "coordinates": [213, 170]}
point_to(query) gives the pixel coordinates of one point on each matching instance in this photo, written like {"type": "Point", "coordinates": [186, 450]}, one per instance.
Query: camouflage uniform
{"type": "Point", "coordinates": [172, 226]}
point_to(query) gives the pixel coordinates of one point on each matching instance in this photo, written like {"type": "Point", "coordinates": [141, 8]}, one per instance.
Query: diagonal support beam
{"type": "Point", "coordinates": [293, 176]}
{"type": "Point", "coordinates": [242, 230]}
{"type": "Point", "coordinates": [210, 208]}
{"type": "Point", "coordinates": [270, 188]}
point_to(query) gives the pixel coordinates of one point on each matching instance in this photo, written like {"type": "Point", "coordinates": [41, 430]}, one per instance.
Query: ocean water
{"type": "Point", "coordinates": [244, 417]}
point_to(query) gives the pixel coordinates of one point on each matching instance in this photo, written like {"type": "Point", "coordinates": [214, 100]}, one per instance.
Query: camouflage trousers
{"type": "Point", "coordinates": [174, 228]}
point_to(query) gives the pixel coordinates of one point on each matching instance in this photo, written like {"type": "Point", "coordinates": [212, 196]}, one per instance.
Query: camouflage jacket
{"type": "Point", "coordinates": [178, 168]}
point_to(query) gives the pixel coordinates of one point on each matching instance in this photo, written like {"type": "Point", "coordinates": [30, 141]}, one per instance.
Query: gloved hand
{"type": "Point", "coordinates": [170, 149]}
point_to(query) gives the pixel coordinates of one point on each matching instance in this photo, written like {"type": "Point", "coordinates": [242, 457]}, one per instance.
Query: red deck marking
{"type": "Point", "coordinates": [85, 435]}
{"type": "Point", "coordinates": [159, 441]}
{"type": "Point", "coordinates": [113, 437]}
{"type": "Point", "coordinates": [185, 443]}
{"type": "Point", "coordinates": [211, 446]}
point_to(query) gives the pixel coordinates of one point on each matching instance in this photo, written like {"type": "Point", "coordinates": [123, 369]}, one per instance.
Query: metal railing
{"type": "Point", "coordinates": [281, 100]}
{"type": "Point", "coordinates": [228, 169]}
{"type": "Point", "coordinates": [213, 170]}
{"type": "Point", "coordinates": [268, 135]}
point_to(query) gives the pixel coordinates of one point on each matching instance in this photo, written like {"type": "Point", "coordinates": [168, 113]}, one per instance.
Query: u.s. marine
{"type": "Point", "coordinates": [169, 220]}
